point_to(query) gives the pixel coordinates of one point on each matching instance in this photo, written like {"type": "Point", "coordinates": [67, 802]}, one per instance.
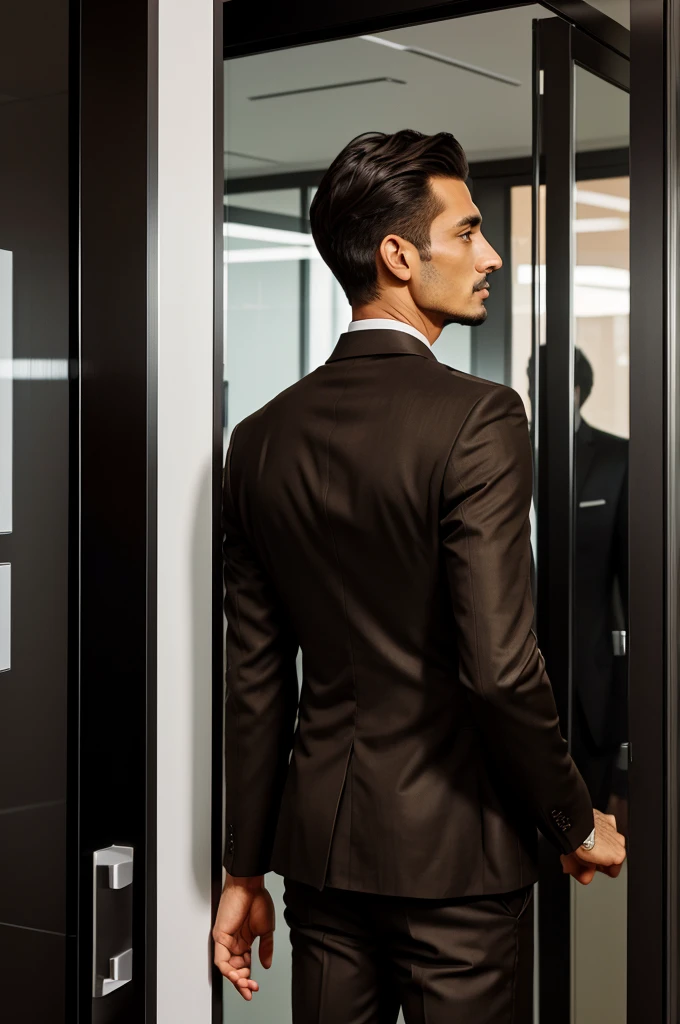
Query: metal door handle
{"type": "Point", "coordinates": [111, 918]}
{"type": "Point", "coordinates": [622, 757]}
{"type": "Point", "coordinates": [118, 859]}
{"type": "Point", "coordinates": [121, 972]}
{"type": "Point", "coordinates": [620, 642]}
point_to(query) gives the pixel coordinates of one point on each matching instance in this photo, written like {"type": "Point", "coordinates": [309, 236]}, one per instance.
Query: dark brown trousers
{"type": "Point", "coordinates": [359, 957]}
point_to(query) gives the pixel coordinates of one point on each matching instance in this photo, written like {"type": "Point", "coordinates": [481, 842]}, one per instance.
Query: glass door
{"type": "Point", "coordinates": [581, 341]}
{"type": "Point", "coordinates": [290, 104]}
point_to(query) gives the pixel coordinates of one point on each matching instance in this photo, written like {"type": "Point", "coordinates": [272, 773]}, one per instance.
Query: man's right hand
{"type": "Point", "coordinates": [607, 855]}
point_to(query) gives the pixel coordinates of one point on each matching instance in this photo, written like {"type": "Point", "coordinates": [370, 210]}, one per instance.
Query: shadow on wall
{"type": "Point", "coordinates": [201, 690]}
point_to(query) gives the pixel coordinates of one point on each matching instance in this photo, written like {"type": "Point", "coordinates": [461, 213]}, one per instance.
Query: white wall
{"type": "Point", "coordinates": [185, 401]}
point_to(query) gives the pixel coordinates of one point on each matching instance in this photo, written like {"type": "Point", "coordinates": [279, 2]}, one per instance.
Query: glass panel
{"type": "Point", "coordinates": [522, 375]}
{"type": "Point", "coordinates": [6, 390]}
{"type": "Point", "coordinates": [601, 289]}
{"type": "Point", "coordinates": [264, 248]}
{"type": "Point", "coordinates": [522, 294]}
{"type": "Point", "coordinates": [275, 200]}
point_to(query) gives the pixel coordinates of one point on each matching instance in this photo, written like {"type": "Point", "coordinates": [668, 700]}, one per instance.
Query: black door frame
{"type": "Point", "coordinates": [654, 482]}
{"type": "Point", "coordinates": [250, 29]}
{"type": "Point", "coordinates": [654, 508]}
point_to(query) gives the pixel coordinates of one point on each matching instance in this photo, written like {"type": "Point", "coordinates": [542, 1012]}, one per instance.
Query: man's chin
{"type": "Point", "coordinates": [467, 320]}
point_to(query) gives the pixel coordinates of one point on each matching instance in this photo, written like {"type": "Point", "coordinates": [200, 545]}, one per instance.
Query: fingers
{"type": "Point", "coordinates": [266, 949]}
{"type": "Point", "coordinates": [612, 870]}
{"type": "Point", "coordinates": [578, 869]}
{"type": "Point", "coordinates": [236, 969]}
{"type": "Point", "coordinates": [243, 983]}
{"type": "Point", "coordinates": [614, 855]}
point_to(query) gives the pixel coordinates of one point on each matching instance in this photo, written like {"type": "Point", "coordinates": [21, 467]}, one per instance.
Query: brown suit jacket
{"type": "Point", "coordinates": [376, 516]}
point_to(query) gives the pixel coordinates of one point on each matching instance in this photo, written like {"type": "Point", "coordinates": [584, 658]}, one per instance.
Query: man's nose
{"type": "Point", "coordinates": [489, 261]}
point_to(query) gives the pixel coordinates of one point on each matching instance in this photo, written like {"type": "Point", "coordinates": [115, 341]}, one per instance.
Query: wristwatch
{"type": "Point", "coordinates": [589, 843]}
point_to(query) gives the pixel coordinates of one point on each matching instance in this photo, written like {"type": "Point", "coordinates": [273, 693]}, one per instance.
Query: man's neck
{"type": "Point", "coordinates": [380, 310]}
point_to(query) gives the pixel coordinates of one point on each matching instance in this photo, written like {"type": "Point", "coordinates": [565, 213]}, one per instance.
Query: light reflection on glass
{"type": "Point", "coordinates": [6, 416]}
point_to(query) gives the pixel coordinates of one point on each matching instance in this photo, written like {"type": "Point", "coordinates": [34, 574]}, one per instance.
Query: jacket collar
{"type": "Point", "coordinates": [379, 343]}
{"type": "Point", "coordinates": [584, 434]}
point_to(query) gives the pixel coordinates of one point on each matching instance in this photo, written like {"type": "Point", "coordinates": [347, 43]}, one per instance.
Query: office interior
{"type": "Point", "coordinates": [158, 282]}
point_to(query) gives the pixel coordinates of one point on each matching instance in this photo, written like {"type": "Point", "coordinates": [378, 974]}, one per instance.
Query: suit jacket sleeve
{"type": "Point", "coordinates": [261, 694]}
{"type": "Point", "coordinates": [486, 496]}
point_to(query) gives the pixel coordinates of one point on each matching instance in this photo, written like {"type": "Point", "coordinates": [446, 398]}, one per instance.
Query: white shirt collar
{"type": "Point", "coordinates": [384, 324]}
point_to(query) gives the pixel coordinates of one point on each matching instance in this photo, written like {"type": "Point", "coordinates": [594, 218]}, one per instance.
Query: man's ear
{"type": "Point", "coordinates": [397, 256]}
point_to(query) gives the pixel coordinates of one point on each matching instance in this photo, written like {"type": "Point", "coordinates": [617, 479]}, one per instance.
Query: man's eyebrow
{"type": "Point", "coordinates": [473, 221]}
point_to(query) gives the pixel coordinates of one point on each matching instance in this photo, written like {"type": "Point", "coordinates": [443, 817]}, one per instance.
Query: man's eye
{"type": "Point", "coordinates": [467, 235]}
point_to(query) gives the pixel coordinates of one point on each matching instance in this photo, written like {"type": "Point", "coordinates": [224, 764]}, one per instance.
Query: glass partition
{"type": "Point", "coordinates": [287, 115]}
{"type": "Point", "coordinates": [599, 719]}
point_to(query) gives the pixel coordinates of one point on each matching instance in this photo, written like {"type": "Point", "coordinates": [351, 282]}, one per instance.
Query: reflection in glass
{"type": "Point", "coordinates": [265, 245]}
{"type": "Point", "coordinates": [5, 616]}
{"type": "Point", "coordinates": [601, 285]}
{"type": "Point", "coordinates": [6, 385]}
{"type": "Point", "coordinates": [599, 725]}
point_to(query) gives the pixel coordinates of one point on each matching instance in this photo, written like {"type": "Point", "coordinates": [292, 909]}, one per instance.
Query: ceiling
{"type": "Point", "coordinates": [491, 119]}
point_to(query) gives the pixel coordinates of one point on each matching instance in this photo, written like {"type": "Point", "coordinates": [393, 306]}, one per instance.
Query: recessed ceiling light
{"type": "Point", "coordinates": [442, 59]}
{"type": "Point", "coordinates": [586, 225]}
{"type": "Point", "coordinates": [283, 253]}
{"type": "Point", "coordinates": [250, 156]}
{"type": "Point", "coordinates": [605, 200]}
{"type": "Point", "coordinates": [323, 88]}
{"type": "Point", "coordinates": [256, 233]}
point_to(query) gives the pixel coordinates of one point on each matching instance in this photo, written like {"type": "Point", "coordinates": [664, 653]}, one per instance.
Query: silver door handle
{"type": "Point", "coordinates": [112, 873]}
{"type": "Point", "coordinates": [622, 757]}
{"type": "Point", "coordinates": [119, 860]}
{"type": "Point", "coordinates": [120, 971]}
{"type": "Point", "coordinates": [620, 642]}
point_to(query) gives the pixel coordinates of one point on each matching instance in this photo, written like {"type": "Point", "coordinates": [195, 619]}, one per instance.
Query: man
{"type": "Point", "coordinates": [600, 599]}
{"type": "Point", "coordinates": [599, 725]}
{"type": "Point", "coordinates": [376, 516]}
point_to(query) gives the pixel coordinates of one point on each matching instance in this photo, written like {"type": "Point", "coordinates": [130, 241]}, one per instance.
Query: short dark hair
{"type": "Point", "coordinates": [583, 374]}
{"type": "Point", "coordinates": [380, 184]}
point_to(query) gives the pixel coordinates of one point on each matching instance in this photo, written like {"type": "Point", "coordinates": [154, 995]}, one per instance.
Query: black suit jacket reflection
{"type": "Point", "coordinates": [600, 569]}
{"type": "Point", "coordinates": [376, 514]}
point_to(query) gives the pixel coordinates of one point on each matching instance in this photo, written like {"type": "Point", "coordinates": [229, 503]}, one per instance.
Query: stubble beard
{"type": "Point", "coordinates": [466, 320]}
{"type": "Point", "coordinates": [431, 275]}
